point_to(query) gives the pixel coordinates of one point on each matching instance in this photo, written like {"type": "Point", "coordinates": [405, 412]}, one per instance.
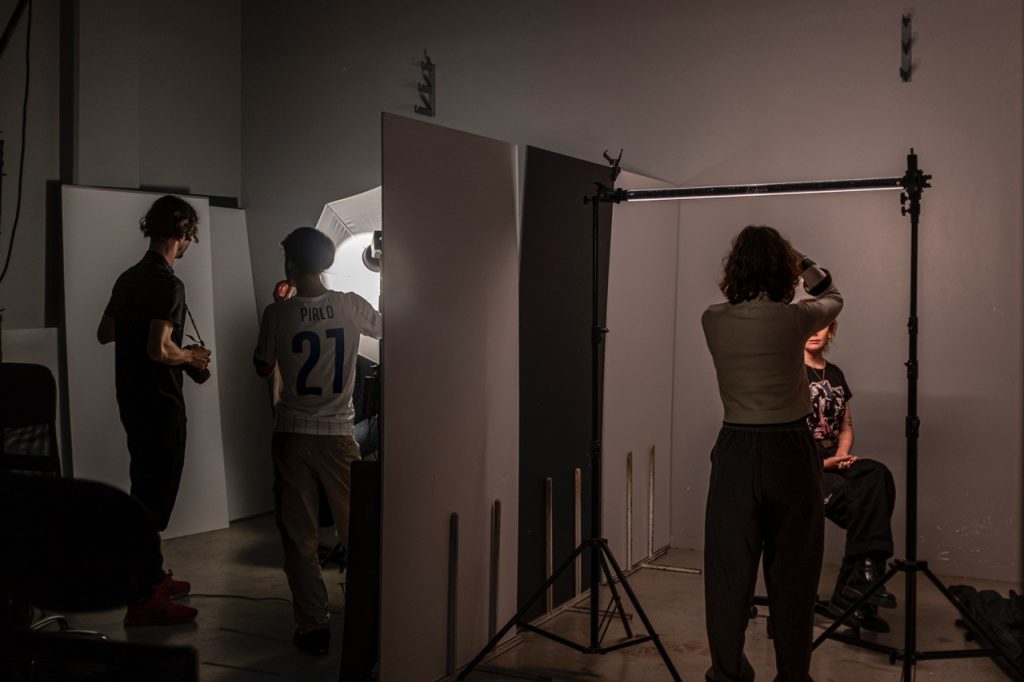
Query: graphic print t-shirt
{"type": "Point", "coordinates": [829, 395]}
{"type": "Point", "coordinates": [314, 342]}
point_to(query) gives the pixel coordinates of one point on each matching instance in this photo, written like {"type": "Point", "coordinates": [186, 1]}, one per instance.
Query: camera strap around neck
{"type": "Point", "coordinates": [191, 319]}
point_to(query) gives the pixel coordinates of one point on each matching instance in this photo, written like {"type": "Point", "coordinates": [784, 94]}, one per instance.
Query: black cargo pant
{"type": "Point", "coordinates": [156, 443]}
{"type": "Point", "coordinates": [860, 500]}
{"type": "Point", "coordinates": [765, 495]}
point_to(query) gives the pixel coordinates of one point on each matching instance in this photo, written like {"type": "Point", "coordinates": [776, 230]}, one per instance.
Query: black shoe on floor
{"type": "Point", "coordinates": [866, 573]}
{"type": "Point", "coordinates": [313, 642]}
{"type": "Point", "coordinates": [865, 617]}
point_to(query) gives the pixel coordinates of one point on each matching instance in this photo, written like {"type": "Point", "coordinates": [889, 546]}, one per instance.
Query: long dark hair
{"type": "Point", "coordinates": [761, 262]}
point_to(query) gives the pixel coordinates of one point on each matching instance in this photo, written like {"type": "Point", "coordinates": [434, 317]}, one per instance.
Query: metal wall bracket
{"type": "Point", "coordinates": [428, 88]}
{"type": "Point", "coordinates": [906, 42]}
{"type": "Point", "coordinates": [613, 163]}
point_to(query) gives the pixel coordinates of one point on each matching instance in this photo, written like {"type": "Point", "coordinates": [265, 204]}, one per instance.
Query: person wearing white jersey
{"type": "Point", "coordinates": [311, 334]}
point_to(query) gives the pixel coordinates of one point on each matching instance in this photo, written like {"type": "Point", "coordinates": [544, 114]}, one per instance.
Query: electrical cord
{"type": "Point", "coordinates": [21, 152]}
{"type": "Point", "coordinates": [248, 598]}
{"type": "Point", "coordinates": [240, 596]}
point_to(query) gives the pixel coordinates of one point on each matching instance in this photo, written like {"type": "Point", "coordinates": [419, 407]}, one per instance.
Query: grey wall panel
{"type": "Point", "coordinates": [108, 94]}
{"type": "Point", "coordinates": [101, 240]}
{"type": "Point", "coordinates": [246, 417]}
{"type": "Point", "coordinates": [556, 318]}
{"type": "Point", "coordinates": [639, 364]}
{"type": "Point", "coordinates": [159, 95]}
{"type": "Point", "coordinates": [450, 442]}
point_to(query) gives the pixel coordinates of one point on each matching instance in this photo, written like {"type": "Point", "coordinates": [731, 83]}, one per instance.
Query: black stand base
{"type": "Point", "coordinates": [613, 575]}
{"type": "Point", "coordinates": [909, 655]}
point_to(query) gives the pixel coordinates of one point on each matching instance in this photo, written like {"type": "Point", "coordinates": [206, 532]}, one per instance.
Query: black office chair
{"type": "Point", "coordinates": [28, 443]}
{"type": "Point", "coordinates": [51, 528]}
{"type": "Point", "coordinates": [28, 415]}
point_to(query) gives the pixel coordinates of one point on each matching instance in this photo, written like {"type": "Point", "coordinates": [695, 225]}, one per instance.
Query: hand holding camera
{"type": "Point", "coordinates": [816, 279]}
{"type": "Point", "coordinates": [197, 365]}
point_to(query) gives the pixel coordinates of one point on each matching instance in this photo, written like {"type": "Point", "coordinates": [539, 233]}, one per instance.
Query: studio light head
{"type": "Point", "coordinates": [371, 254]}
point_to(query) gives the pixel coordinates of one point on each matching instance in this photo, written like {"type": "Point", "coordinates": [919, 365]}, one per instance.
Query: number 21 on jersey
{"type": "Point", "coordinates": [311, 339]}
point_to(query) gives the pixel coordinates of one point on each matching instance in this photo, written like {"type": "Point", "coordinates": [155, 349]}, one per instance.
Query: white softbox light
{"type": "Point", "coordinates": [350, 223]}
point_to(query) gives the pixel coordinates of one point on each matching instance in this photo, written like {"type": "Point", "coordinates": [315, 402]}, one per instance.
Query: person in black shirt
{"type": "Point", "coordinates": [859, 493]}
{"type": "Point", "coordinates": [145, 318]}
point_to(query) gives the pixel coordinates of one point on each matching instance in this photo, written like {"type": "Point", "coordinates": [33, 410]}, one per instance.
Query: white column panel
{"type": "Point", "coordinates": [450, 392]}
{"type": "Point", "coordinates": [247, 420]}
{"type": "Point", "coordinates": [101, 240]}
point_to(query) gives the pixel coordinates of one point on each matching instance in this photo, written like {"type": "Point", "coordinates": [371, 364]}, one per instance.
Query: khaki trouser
{"type": "Point", "coordinates": [300, 461]}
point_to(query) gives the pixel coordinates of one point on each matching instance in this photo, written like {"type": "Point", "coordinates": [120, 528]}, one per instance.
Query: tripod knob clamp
{"type": "Point", "coordinates": [913, 427]}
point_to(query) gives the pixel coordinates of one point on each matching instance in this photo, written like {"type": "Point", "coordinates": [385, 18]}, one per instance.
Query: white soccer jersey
{"type": "Point", "coordinates": [314, 342]}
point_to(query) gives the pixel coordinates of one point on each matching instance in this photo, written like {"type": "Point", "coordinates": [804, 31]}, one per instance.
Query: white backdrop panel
{"type": "Point", "coordinates": [101, 240]}
{"type": "Point", "coordinates": [247, 421]}
{"type": "Point", "coordinates": [450, 441]}
{"type": "Point", "coordinates": [638, 367]}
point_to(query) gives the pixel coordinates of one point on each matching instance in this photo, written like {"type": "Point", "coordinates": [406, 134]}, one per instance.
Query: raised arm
{"type": "Point", "coordinates": [817, 312]}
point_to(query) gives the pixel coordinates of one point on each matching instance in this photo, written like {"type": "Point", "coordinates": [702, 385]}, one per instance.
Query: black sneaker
{"type": "Point", "coordinates": [865, 616]}
{"type": "Point", "coordinates": [313, 642]}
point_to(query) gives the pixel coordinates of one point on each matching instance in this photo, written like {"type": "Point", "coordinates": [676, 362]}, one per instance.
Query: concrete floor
{"type": "Point", "coordinates": [244, 640]}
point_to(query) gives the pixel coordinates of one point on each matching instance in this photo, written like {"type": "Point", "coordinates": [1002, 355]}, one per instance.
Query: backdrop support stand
{"type": "Point", "coordinates": [602, 562]}
{"type": "Point", "coordinates": [913, 183]}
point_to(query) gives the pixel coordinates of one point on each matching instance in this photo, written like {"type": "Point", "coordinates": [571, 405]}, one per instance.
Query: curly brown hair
{"type": "Point", "coordinates": [761, 262]}
{"type": "Point", "coordinates": [170, 217]}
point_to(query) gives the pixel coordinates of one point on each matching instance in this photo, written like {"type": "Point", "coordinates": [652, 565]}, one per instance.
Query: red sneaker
{"type": "Point", "coordinates": [174, 589]}
{"type": "Point", "coordinates": [158, 610]}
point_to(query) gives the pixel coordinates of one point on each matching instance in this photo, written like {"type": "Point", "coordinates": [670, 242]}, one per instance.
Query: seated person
{"type": "Point", "coordinates": [859, 493]}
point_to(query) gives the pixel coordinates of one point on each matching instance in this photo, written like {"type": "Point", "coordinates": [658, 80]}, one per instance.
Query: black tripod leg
{"type": "Point", "coordinates": [606, 620]}
{"type": "Point", "coordinates": [521, 612]}
{"type": "Point", "coordinates": [641, 614]}
{"type": "Point", "coordinates": [841, 620]}
{"type": "Point", "coordinates": [615, 595]}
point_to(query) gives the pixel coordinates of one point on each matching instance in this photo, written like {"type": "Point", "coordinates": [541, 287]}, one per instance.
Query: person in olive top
{"type": "Point", "coordinates": [311, 334]}
{"type": "Point", "coordinates": [765, 489]}
{"type": "Point", "coordinates": [145, 319]}
{"type": "Point", "coordinates": [859, 493]}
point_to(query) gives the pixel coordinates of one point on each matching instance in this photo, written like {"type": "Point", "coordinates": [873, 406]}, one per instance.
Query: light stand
{"type": "Point", "coordinates": [602, 562]}
{"type": "Point", "coordinates": [913, 183]}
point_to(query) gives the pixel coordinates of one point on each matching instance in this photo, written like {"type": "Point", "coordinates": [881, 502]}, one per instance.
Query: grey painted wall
{"type": "Point", "coordinates": [159, 104]}
{"type": "Point", "coordinates": [22, 291]}
{"type": "Point", "coordinates": [159, 95]}
{"type": "Point", "coordinates": [824, 102]}
{"type": "Point", "coordinates": [744, 92]}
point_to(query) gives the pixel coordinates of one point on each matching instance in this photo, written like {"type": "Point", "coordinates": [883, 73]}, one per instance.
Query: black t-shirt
{"type": "Point", "coordinates": [829, 395]}
{"type": "Point", "coordinates": [149, 290]}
